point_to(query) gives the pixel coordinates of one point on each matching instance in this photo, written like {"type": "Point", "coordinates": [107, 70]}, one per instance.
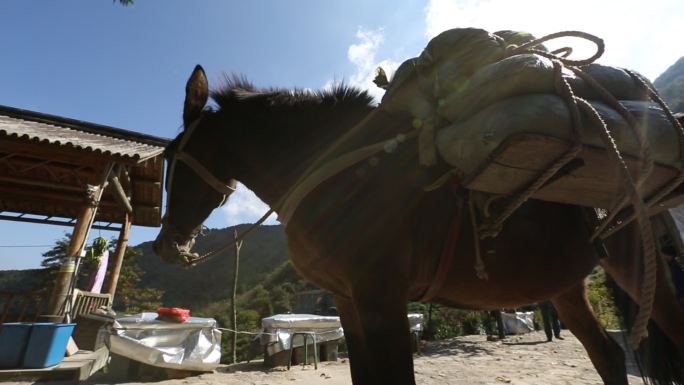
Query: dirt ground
{"type": "Point", "coordinates": [472, 360]}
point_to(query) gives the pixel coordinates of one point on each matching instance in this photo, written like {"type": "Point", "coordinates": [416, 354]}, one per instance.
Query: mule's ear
{"type": "Point", "coordinates": [196, 95]}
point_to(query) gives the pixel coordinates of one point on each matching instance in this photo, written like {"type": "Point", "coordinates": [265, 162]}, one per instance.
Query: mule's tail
{"type": "Point", "coordinates": [657, 358]}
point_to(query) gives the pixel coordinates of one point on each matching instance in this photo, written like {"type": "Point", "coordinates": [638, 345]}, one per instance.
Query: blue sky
{"type": "Point", "coordinates": [126, 67]}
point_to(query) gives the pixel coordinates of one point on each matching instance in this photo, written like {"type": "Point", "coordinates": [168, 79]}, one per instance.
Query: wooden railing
{"type": "Point", "coordinates": [28, 306]}
{"type": "Point", "coordinates": [86, 302]}
{"type": "Point", "coordinates": [25, 306]}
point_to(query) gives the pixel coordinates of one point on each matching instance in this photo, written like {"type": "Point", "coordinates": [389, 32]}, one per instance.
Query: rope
{"type": "Point", "coordinates": [317, 173]}
{"type": "Point", "coordinates": [479, 266]}
{"type": "Point", "coordinates": [529, 47]}
{"type": "Point", "coordinates": [639, 330]}
{"type": "Point", "coordinates": [671, 185]}
{"type": "Point", "coordinates": [203, 258]}
{"type": "Point", "coordinates": [563, 88]}
{"type": "Point", "coordinates": [248, 333]}
{"type": "Point", "coordinates": [642, 141]}
{"type": "Point", "coordinates": [262, 333]}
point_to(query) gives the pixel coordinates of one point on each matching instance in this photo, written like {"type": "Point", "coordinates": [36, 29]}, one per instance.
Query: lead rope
{"type": "Point", "coordinates": [232, 243]}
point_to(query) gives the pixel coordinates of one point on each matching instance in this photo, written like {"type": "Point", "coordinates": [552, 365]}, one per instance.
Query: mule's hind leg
{"type": "Point", "coordinates": [606, 355]}
{"type": "Point", "coordinates": [624, 265]}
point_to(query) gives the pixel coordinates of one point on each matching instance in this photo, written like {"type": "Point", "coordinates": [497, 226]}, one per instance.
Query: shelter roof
{"type": "Point", "coordinates": [47, 162]}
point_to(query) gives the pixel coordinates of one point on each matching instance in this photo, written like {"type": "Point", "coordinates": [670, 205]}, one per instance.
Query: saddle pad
{"type": "Point", "coordinates": [591, 182]}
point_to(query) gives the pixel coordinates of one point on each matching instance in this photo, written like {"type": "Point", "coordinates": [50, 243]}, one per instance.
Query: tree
{"type": "Point", "coordinates": [55, 257]}
{"type": "Point", "coordinates": [130, 297]}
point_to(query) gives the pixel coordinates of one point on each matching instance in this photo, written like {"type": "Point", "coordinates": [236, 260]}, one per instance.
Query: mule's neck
{"type": "Point", "coordinates": [278, 143]}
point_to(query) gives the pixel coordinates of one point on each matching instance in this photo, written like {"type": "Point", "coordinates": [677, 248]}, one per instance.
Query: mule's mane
{"type": "Point", "coordinates": [237, 88]}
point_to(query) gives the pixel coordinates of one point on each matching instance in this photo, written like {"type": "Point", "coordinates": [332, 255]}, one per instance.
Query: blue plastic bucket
{"type": "Point", "coordinates": [47, 344]}
{"type": "Point", "coordinates": [13, 339]}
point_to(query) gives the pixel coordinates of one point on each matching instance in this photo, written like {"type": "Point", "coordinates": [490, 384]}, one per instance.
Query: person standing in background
{"type": "Point", "coordinates": [552, 325]}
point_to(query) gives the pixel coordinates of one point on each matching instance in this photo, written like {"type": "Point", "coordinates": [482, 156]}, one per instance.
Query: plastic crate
{"type": "Point", "coordinates": [13, 339]}
{"type": "Point", "coordinates": [47, 344]}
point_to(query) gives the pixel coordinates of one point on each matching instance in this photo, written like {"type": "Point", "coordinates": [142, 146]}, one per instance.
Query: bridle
{"type": "Point", "coordinates": [198, 168]}
{"type": "Point", "coordinates": [319, 171]}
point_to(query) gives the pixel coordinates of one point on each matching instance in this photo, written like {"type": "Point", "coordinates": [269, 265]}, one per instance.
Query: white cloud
{"type": "Point", "coordinates": [643, 36]}
{"type": "Point", "coordinates": [363, 55]}
{"type": "Point", "coordinates": [244, 207]}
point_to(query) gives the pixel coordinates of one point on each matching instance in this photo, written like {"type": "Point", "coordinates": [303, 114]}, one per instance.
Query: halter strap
{"type": "Point", "coordinates": [195, 166]}
{"type": "Point", "coordinates": [203, 173]}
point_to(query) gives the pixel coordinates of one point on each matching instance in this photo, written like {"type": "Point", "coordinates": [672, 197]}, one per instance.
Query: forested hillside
{"type": "Point", "coordinates": [20, 280]}
{"type": "Point", "coordinates": [262, 252]}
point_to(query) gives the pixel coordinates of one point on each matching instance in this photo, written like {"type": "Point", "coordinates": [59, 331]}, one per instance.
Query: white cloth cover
{"type": "Point", "coordinates": [191, 345]}
{"type": "Point", "coordinates": [518, 322]}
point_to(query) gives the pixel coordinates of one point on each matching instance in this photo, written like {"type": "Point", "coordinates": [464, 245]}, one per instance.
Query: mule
{"type": "Point", "coordinates": [372, 235]}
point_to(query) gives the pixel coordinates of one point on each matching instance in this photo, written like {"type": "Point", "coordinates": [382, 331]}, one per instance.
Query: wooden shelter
{"type": "Point", "coordinates": [62, 171]}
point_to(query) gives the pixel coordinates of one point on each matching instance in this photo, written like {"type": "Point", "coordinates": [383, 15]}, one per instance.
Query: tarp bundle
{"type": "Point", "coordinates": [515, 120]}
{"type": "Point", "coordinates": [470, 90]}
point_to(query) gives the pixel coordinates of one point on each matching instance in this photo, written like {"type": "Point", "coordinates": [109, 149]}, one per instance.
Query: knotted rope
{"type": "Point", "coordinates": [633, 188]}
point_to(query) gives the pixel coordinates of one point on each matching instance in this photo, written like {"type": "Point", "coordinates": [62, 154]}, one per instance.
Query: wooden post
{"type": "Point", "coordinates": [119, 256]}
{"type": "Point", "coordinates": [236, 265]}
{"type": "Point", "coordinates": [86, 216]}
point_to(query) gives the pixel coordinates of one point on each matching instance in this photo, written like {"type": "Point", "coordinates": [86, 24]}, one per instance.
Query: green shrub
{"type": "Point", "coordinates": [601, 299]}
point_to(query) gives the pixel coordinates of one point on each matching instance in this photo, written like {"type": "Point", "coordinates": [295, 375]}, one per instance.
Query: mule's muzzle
{"type": "Point", "coordinates": [173, 250]}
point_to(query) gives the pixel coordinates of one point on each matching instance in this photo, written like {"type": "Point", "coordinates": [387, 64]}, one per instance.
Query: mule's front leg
{"type": "Point", "coordinates": [377, 332]}
{"type": "Point", "coordinates": [356, 345]}
{"type": "Point", "coordinates": [383, 320]}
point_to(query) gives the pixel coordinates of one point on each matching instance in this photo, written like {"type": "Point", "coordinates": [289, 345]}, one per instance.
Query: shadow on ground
{"type": "Point", "coordinates": [455, 347]}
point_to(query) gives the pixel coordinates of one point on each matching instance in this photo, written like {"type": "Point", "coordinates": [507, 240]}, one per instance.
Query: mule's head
{"type": "Point", "coordinates": [196, 181]}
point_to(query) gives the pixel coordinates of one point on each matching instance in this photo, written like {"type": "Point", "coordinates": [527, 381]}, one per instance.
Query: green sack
{"type": "Point", "coordinates": [453, 56]}
{"type": "Point", "coordinates": [530, 74]}
{"type": "Point", "coordinates": [444, 66]}
{"type": "Point", "coordinates": [467, 145]}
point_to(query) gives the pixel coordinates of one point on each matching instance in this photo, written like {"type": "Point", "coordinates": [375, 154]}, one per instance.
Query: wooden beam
{"type": "Point", "coordinates": [120, 194]}
{"type": "Point", "coordinates": [59, 198]}
{"type": "Point", "coordinates": [41, 183]}
{"type": "Point", "coordinates": [118, 257]}
{"type": "Point", "coordinates": [23, 163]}
{"type": "Point", "coordinates": [65, 222]}
{"type": "Point", "coordinates": [61, 153]}
{"type": "Point", "coordinates": [147, 182]}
